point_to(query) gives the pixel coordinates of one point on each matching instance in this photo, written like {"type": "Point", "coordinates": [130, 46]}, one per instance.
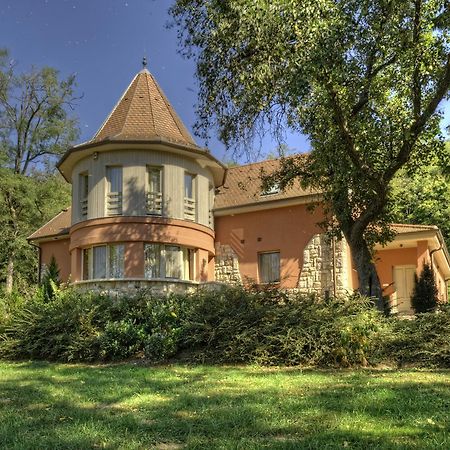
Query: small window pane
{"type": "Point", "coordinates": [173, 261]}
{"type": "Point", "coordinates": [269, 267]}
{"type": "Point", "coordinates": [114, 175]}
{"type": "Point", "coordinates": [188, 185]}
{"type": "Point", "coordinates": [116, 261]}
{"type": "Point", "coordinates": [152, 265]}
{"type": "Point", "coordinates": [99, 262]}
{"type": "Point", "coordinates": [154, 179]}
{"type": "Point", "coordinates": [188, 263]}
{"type": "Point", "coordinates": [86, 259]}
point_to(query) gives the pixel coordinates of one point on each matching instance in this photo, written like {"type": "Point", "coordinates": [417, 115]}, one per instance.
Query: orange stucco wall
{"type": "Point", "coordinates": [60, 250]}
{"type": "Point", "coordinates": [385, 260]}
{"type": "Point", "coordinates": [141, 229]}
{"type": "Point", "coordinates": [287, 230]}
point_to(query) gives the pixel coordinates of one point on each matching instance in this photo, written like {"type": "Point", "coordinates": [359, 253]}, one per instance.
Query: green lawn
{"type": "Point", "coordinates": [50, 406]}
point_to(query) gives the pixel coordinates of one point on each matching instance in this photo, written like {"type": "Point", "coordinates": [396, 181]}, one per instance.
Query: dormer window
{"type": "Point", "coordinates": [274, 189]}
{"type": "Point", "coordinates": [84, 193]}
{"type": "Point", "coordinates": [189, 197]}
{"type": "Point", "coordinates": [114, 189]}
{"type": "Point", "coordinates": [154, 196]}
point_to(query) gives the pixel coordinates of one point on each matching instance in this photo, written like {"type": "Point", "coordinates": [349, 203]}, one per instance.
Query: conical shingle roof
{"type": "Point", "coordinates": [143, 113]}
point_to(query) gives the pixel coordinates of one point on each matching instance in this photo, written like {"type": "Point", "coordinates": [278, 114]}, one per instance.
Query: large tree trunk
{"type": "Point", "coordinates": [369, 283]}
{"type": "Point", "coordinates": [10, 273]}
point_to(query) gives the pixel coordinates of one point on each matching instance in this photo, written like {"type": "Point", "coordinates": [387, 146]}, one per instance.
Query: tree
{"type": "Point", "coordinates": [50, 280]}
{"type": "Point", "coordinates": [362, 78]}
{"type": "Point", "coordinates": [425, 295]}
{"type": "Point", "coordinates": [34, 121]}
{"type": "Point", "coordinates": [26, 203]}
{"type": "Point", "coordinates": [35, 128]}
{"type": "Point", "coordinates": [423, 197]}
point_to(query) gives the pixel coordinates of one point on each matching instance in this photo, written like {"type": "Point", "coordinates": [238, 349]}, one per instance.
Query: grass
{"type": "Point", "coordinates": [128, 406]}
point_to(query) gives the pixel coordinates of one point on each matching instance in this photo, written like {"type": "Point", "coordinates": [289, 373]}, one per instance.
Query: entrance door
{"type": "Point", "coordinates": [404, 286]}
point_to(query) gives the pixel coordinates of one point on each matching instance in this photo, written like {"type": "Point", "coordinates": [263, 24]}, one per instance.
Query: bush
{"type": "Point", "coordinates": [425, 295]}
{"type": "Point", "coordinates": [272, 327]}
{"type": "Point", "coordinates": [231, 325]}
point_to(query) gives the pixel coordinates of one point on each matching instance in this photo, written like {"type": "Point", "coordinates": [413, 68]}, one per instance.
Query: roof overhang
{"type": "Point", "coordinates": [267, 204]}
{"type": "Point", "coordinates": [202, 156]}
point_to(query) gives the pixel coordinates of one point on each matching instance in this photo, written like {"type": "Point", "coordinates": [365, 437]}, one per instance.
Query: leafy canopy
{"type": "Point", "coordinates": [35, 120]}
{"type": "Point", "coordinates": [362, 78]}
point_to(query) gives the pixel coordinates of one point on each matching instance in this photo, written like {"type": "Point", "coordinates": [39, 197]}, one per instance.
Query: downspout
{"type": "Point", "coordinates": [434, 251]}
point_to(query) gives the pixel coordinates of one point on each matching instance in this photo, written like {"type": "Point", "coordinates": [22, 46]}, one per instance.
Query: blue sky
{"type": "Point", "coordinates": [103, 42]}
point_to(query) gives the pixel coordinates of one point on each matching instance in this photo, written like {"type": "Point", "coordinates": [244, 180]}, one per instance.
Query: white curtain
{"type": "Point", "coordinates": [152, 264]}
{"type": "Point", "coordinates": [99, 262]}
{"type": "Point", "coordinates": [116, 261]}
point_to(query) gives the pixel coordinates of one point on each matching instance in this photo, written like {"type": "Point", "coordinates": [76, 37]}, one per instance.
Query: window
{"type": "Point", "coordinates": [103, 261]}
{"type": "Point", "coordinates": [211, 206]}
{"type": "Point", "coordinates": [173, 261]}
{"type": "Point", "coordinates": [154, 191]}
{"type": "Point", "coordinates": [114, 196]}
{"type": "Point", "coordinates": [152, 262]}
{"type": "Point", "coordinates": [84, 193]}
{"type": "Point", "coordinates": [269, 267]}
{"type": "Point", "coordinates": [189, 197]}
{"type": "Point", "coordinates": [274, 189]}
{"type": "Point", "coordinates": [169, 261]}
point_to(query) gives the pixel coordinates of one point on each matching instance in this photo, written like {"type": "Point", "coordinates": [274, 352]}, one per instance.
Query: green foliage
{"type": "Point", "coordinates": [26, 203]}
{"type": "Point", "coordinates": [362, 78]}
{"type": "Point", "coordinates": [423, 196]}
{"type": "Point", "coordinates": [425, 296]}
{"type": "Point", "coordinates": [231, 325]}
{"type": "Point", "coordinates": [50, 280]}
{"type": "Point", "coordinates": [423, 342]}
{"type": "Point", "coordinates": [272, 327]}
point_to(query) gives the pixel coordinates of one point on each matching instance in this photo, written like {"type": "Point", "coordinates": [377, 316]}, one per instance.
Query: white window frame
{"type": "Point", "coordinates": [186, 257]}
{"type": "Point", "coordinates": [190, 203]}
{"type": "Point", "coordinates": [154, 200]}
{"type": "Point", "coordinates": [83, 179]}
{"type": "Point", "coordinates": [90, 256]}
{"type": "Point", "coordinates": [109, 197]}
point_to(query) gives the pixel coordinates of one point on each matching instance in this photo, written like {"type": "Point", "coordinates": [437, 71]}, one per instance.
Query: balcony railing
{"type": "Point", "coordinates": [154, 204]}
{"type": "Point", "coordinates": [114, 204]}
{"type": "Point", "coordinates": [189, 208]}
{"type": "Point", "coordinates": [84, 208]}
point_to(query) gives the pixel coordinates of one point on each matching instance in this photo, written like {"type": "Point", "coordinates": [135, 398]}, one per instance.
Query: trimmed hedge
{"type": "Point", "coordinates": [231, 325]}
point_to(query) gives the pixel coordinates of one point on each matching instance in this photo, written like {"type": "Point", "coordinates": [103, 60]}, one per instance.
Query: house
{"type": "Point", "coordinates": [150, 208]}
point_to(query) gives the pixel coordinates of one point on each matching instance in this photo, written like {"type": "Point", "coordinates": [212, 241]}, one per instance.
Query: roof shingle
{"type": "Point", "coordinates": [243, 186]}
{"type": "Point", "coordinates": [143, 113]}
{"type": "Point", "coordinates": [58, 226]}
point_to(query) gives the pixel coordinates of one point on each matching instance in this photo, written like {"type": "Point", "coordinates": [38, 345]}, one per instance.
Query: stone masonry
{"type": "Point", "coordinates": [227, 265]}
{"type": "Point", "coordinates": [317, 275]}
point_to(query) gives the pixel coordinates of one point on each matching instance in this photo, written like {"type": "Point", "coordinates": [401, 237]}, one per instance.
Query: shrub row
{"type": "Point", "coordinates": [231, 325]}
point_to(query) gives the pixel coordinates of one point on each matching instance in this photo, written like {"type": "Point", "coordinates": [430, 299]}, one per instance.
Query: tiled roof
{"type": "Point", "coordinates": [401, 228]}
{"type": "Point", "coordinates": [143, 113]}
{"type": "Point", "coordinates": [58, 226]}
{"type": "Point", "coordinates": [243, 186]}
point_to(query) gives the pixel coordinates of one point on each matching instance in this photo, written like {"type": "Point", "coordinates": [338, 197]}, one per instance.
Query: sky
{"type": "Point", "coordinates": [103, 43]}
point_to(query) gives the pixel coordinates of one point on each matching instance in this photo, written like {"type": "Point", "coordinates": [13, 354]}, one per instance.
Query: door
{"type": "Point", "coordinates": [404, 286]}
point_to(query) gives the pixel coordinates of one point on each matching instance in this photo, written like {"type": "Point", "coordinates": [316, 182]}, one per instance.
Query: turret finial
{"type": "Point", "coordinates": [144, 62]}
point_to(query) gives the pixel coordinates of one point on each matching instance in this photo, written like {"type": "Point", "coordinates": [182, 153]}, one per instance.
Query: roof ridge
{"type": "Point", "coordinates": [181, 128]}
{"type": "Point", "coordinates": [146, 73]}
{"type": "Point", "coordinates": [114, 109]}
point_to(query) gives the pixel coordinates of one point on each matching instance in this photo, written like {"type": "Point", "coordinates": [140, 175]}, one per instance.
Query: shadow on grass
{"type": "Point", "coordinates": [127, 406]}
